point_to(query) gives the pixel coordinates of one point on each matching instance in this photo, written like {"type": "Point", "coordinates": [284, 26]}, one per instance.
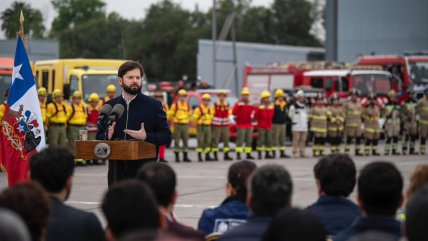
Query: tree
{"type": "Point", "coordinates": [33, 23]}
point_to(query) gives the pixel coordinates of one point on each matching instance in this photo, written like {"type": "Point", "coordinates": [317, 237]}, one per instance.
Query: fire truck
{"type": "Point", "coordinates": [6, 68]}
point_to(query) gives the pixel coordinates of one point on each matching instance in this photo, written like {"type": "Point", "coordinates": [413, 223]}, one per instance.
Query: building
{"type": "Point", "coordinates": [37, 49]}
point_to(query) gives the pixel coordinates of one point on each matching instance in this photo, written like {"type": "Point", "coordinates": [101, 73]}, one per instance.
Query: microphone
{"type": "Point", "coordinates": [102, 122]}
{"type": "Point", "coordinates": [116, 113]}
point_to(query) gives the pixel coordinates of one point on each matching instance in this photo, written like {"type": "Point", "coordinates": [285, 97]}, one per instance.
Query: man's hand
{"type": "Point", "coordinates": [139, 135]}
{"type": "Point", "coordinates": [110, 131]}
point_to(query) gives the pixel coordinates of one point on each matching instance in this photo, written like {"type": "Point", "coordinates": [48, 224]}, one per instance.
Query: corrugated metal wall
{"type": "Point", "coordinates": [37, 49]}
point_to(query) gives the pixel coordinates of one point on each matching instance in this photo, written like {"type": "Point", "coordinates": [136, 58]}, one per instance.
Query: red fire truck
{"type": "Point", "coordinates": [6, 68]}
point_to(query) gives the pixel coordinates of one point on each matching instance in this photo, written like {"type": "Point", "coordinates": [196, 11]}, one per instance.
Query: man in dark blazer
{"type": "Point", "coordinates": [143, 119]}
{"type": "Point", "coordinates": [53, 168]}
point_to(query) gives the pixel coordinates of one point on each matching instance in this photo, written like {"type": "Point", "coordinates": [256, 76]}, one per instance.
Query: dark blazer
{"type": "Point", "coordinates": [69, 224]}
{"type": "Point", "coordinates": [253, 230]}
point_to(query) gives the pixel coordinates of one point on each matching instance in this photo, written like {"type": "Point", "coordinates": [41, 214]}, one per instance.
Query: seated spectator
{"type": "Point", "coordinates": [335, 177]}
{"type": "Point", "coordinates": [380, 187]}
{"type": "Point", "coordinates": [417, 216]}
{"type": "Point", "coordinates": [53, 168]}
{"type": "Point", "coordinates": [270, 191]}
{"type": "Point", "coordinates": [233, 211]}
{"type": "Point", "coordinates": [12, 228]}
{"type": "Point", "coordinates": [130, 206]}
{"type": "Point", "coordinates": [418, 179]}
{"type": "Point", "coordinates": [144, 235]}
{"type": "Point", "coordinates": [294, 224]}
{"type": "Point", "coordinates": [373, 236]}
{"type": "Point", "coordinates": [162, 180]}
{"type": "Point", "coordinates": [30, 202]}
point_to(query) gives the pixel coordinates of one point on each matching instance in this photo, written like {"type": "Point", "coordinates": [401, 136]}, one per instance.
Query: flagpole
{"type": "Point", "coordinates": [21, 30]}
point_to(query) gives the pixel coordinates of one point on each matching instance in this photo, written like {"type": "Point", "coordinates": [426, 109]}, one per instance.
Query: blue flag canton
{"type": "Point", "coordinates": [23, 75]}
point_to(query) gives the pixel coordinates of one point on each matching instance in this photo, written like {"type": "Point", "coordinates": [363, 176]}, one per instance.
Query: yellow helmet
{"type": "Point", "coordinates": [245, 91]}
{"type": "Point", "coordinates": [392, 93]}
{"type": "Point", "coordinates": [265, 94]}
{"type": "Point", "coordinates": [77, 94]}
{"type": "Point", "coordinates": [57, 93]}
{"type": "Point", "coordinates": [279, 93]}
{"type": "Point", "coordinates": [93, 97]}
{"type": "Point", "coordinates": [42, 91]}
{"type": "Point", "coordinates": [111, 89]}
{"type": "Point", "coordinates": [182, 92]}
{"type": "Point", "coordinates": [206, 96]}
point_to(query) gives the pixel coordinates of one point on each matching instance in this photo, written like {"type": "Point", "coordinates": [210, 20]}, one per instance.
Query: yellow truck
{"type": "Point", "coordinates": [85, 75]}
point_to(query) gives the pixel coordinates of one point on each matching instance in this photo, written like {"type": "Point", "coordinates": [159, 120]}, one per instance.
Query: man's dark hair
{"type": "Point", "coordinates": [336, 174]}
{"type": "Point", "coordinates": [52, 167]}
{"type": "Point", "coordinates": [31, 203]}
{"type": "Point", "coordinates": [130, 206]}
{"type": "Point", "coordinates": [295, 224]}
{"type": "Point", "coordinates": [238, 175]}
{"type": "Point", "coordinates": [128, 66]}
{"type": "Point", "coordinates": [417, 216]}
{"type": "Point", "coordinates": [161, 179]}
{"type": "Point", "coordinates": [271, 189]}
{"type": "Point", "coordinates": [380, 187]}
{"type": "Point", "coordinates": [12, 227]}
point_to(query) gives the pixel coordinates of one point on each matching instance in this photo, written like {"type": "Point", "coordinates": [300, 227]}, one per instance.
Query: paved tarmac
{"type": "Point", "coordinates": [202, 185]}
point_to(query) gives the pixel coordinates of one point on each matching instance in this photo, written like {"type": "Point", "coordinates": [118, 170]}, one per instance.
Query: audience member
{"type": "Point", "coordinates": [373, 236]}
{"type": "Point", "coordinates": [380, 187]}
{"type": "Point", "coordinates": [31, 204]}
{"type": "Point", "coordinates": [233, 211]}
{"type": "Point", "coordinates": [270, 191]}
{"type": "Point", "coordinates": [295, 224]}
{"type": "Point", "coordinates": [142, 235]}
{"type": "Point", "coordinates": [53, 168]}
{"type": "Point", "coordinates": [418, 179]}
{"type": "Point", "coordinates": [162, 180]}
{"type": "Point", "coordinates": [129, 206]}
{"type": "Point", "coordinates": [12, 228]}
{"type": "Point", "coordinates": [335, 177]}
{"type": "Point", "coordinates": [417, 216]}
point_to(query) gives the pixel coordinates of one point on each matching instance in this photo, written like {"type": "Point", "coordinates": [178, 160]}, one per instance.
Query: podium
{"type": "Point", "coordinates": [114, 150]}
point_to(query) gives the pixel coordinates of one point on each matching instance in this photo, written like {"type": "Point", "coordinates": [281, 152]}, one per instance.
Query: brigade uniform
{"type": "Point", "coordinates": [279, 128]}
{"type": "Point", "coordinates": [2, 112]}
{"type": "Point", "coordinates": [264, 116]}
{"type": "Point", "coordinates": [422, 111]}
{"type": "Point", "coordinates": [76, 120]}
{"type": "Point", "coordinates": [162, 149]}
{"type": "Point", "coordinates": [41, 92]}
{"type": "Point", "coordinates": [318, 120]}
{"type": "Point", "coordinates": [244, 111]}
{"type": "Point", "coordinates": [111, 89]}
{"type": "Point", "coordinates": [92, 116]}
{"type": "Point", "coordinates": [391, 113]}
{"type": "Point", "coordinates": [336, 118]}
{"type": "Point", "coordinates": [220, 127]}
{"type": "Point", "coordinates": [371, 115]}
{"type": "Point", "coordinates": [180, 114]}
{"type": "Point", "coordinates": [410, 124]}
{"type": "Point", "coordinates": [299, 116]}
{"type": "Point", "coordinates": [56, 114]}
{"type": "Point", "coordinates": [353, 111]}
{"type": "Point", "coordinates": [202, 116]}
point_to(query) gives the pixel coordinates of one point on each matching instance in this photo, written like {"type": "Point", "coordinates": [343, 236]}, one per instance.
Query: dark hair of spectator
{"type": "Point", "coordinates": [161, 179]}
{"type": "Point", "coordinates": [418, 179]}
{"type": "Point", "coordinates": [380, 187]}
{"type": "Point", "coordinates": [12, 227]}
{"type": "Point", "coordinates": [238, 176]}
{"type": "Point", "coordinates": [145, 235]}
{"type": "Point", "coordinates": [417, 215]}
{"type": "Point", "coordinates": [128, 66]}
{"type": "Point", "coordinates": [52, 167]}
{"type": "Point", "coordinates": [271, 189]}
{"type": "Point", "coordinates": [336, 174]}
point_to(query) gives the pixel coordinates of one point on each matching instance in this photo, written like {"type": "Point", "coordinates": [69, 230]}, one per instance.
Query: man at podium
{"type": "Point", "coordinates": [143, 119]}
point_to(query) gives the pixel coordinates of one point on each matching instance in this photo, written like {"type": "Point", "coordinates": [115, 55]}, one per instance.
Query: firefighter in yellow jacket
{"type": "Point", "coordinates": [76, 120]}
{"type": "Point", "coordinates": [56, 114]}
{"type": "Point", "coordinates": [42, 94]}
{"type": "Point", "coordinates": [110, 94]}
{"type": "Point", "coordinates": [3, 106]}
{"type": "Point", "coordinates": [353, 113]}
{"type": "Point", "coordinates": [318, 120]}
{"type": "Point", "coordinates": [202, 116]}
{"type": "Point", "coordinates": [371, 115]}
{"type": "Point", "coordinates": [336, 118]}
{"type": "Point", "coordinates": [180, 114]}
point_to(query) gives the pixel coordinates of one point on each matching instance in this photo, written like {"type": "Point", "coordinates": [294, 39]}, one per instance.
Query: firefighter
{"type": "Point", "coordinates": [56, 114]}
{"type": "Point", "coordinates": [93, 114]}
{"type": "Point", "coordinates": [3, 106]}
{"type": "Point", "coordinates": [318, 121]}
{"type": "Point", "coordinates": [180, 114]}
{"type": "Point", "coordinates": [371, 115]}
{"type": "Point", "coordinates": [299, 116]}
{"type": "Point", "coordinates": [408, 115]}
{"type": "Point", "coordinates": [336, 117]}
{"type": "Point", "coordinates": [279, 124]}
{"type": "Point", "coordinates": [264, 116]}
{"type": "Point", "coordinates": [353, 111]}
{"type": "Point", "coordinates": [391, 113]}
{"type": "Point", "coordinates": [42, 94]}
{"type": "Point", "coordinates": [244, 112]}
{"type": "Point", "coordinates": [422, 112]}
{"type": "Point", "coordinates": [110, 94]}
{"type": "Point", "coordinates": [202, 117]}
{"type": "Point", "coordinates": [220, 125]}
{"type": "Point", "coordinates": [76, 121]}
{"type": "Point", "coordinates": [159, 96]}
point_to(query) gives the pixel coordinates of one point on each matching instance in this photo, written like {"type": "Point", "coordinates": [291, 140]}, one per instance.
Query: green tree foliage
{"type": "Point", "coordinates": [33, 23]}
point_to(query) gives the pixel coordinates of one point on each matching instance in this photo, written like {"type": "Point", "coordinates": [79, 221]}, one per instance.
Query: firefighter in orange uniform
{"type": "Point", "coordinates": [264, 116]}
{"type": "Point", "coordinates": [220, 125]}
{"type": "Point", "coordinates": [159, 96]}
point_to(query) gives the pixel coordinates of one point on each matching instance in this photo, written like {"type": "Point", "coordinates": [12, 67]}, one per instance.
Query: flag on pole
{"type": "Point", "coordinates": [22, 133]}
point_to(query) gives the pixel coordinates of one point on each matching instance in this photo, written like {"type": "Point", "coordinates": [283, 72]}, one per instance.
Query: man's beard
{"type": "Point", "coordinates": [132, 90]}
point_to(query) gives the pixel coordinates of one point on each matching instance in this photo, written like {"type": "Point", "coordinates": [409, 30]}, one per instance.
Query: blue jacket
{"type": "Point", "coordinates": [336, 212]}
{"type": "Point", "coordinates": [364, 224]}
{"type": "Point", "coordinates": [252, 230]}
{"type": "Point", "coordinates": [231, 213]}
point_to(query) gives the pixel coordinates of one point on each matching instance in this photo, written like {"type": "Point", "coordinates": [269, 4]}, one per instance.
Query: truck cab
{"type": "Point", "coordinates": [6, 69]}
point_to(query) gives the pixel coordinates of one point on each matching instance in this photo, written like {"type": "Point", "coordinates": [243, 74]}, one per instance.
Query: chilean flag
{"type": "Point", "coordinates": [22, 133]}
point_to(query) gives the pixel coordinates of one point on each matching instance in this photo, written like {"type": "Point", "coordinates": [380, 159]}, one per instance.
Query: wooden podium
{"type": "Point", "coordinates": [114, 150]}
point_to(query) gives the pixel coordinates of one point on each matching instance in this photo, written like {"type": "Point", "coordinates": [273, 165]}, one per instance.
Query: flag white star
{"type": "Point", "coordinates": [21, 128]}
{"type": "Point", "coordinates": [16, 74]}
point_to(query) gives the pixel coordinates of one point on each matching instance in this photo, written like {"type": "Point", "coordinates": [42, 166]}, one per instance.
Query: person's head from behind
{"type": "Point", "coordinates": [335, 175]}
{"type": "Point", "coordinates": [373, 236]}
{"type": "Point", "coordinates": [417, 215]}
{"type": "Point", "coordinates": [12, 228]}
{"type": "Point", "coordinates": [130, 74]}
{"type": "Point", "coordinates": [237, 179]}
{"type": "Point", "coordinates": [162, 180]}
{"type": "Point", "coordinates": [129, 206]}
{"type": "Point", "coordinates": [53, 168]}
{"type": "Point", "coordinates": [31, 204]}
{"type": "Point", "coordinates": [418, 179]}
{"type": "Point", "coordinates": [295, 224]}
{"type": "Point", "coordinates": [380, 187]}
{"type": "Point", "coordinates": [270, 190]}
